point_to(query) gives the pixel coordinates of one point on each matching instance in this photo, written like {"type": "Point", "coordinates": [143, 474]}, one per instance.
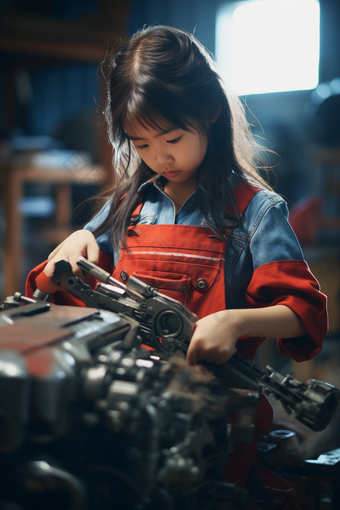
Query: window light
{"type": "Point", "coordinates": [269, 45]}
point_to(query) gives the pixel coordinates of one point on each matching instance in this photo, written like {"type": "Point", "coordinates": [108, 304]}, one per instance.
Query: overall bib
{"type": "Point", "coordinates": [182, 261]}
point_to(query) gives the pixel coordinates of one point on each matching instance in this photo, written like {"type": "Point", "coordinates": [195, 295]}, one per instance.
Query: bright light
{"type": "Point", "coordinates": [269, 45]}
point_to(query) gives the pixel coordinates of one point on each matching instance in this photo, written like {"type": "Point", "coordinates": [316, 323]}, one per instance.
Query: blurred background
{"type": "Point", "coordinates": [53, 148]}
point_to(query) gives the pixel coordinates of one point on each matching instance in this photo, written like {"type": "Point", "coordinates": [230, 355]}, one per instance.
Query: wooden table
{"type": "Point", "coordinates": [13, 176]}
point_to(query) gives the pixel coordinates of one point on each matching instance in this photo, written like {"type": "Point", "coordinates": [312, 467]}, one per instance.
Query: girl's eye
{"type": "Point", "coordinates": [175, 140]}
{"type": "Point", "coordinates": [141, 147]}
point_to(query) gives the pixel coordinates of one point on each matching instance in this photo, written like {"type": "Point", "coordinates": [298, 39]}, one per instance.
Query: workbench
{"type": "Point", "coordinates": [13, 176]}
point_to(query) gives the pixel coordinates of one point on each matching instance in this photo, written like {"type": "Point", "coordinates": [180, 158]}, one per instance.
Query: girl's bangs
{"type": "Point", "coordinates": [139, 109]}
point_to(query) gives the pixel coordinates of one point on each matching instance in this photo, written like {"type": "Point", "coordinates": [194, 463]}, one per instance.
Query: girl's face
{"type": "Point", "coordinates": [172, 151]}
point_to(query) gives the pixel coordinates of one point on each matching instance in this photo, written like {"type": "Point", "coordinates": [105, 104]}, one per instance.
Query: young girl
{"type": "Point", "coordinates": [191, 216]}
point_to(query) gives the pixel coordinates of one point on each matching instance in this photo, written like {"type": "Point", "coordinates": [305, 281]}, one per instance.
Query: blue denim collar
{"type": "Point", "coordinates": [158, 181]}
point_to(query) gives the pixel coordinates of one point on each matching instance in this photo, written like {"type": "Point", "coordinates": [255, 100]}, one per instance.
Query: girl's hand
{"type": "Point", "coordinates": [80, 243]}
{"type": "Point", "coordinates": [214, 338]}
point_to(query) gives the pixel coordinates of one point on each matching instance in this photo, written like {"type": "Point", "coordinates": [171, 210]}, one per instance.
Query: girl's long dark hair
{"type": "Point", "coordinates": [163, 73]}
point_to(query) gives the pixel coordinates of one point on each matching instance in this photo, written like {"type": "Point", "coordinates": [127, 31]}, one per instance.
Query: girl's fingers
{"type": "Point", "coordinates": [223, 359]}
{"type": "Point", "coordinates": [76, 270]}
{"type": "Point", "coordinates": [49, 268]}
{"type": "Point", "coordinates": [192, 357]}
{"type": "Point", "coordinates": [211, 341]}
{"type": "Point", "coordinates": [79, 243]}
{"type": "Point", "coordinates": [218, 358]}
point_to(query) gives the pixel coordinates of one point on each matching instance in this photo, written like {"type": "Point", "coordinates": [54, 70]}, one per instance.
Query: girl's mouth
{"type": "Point", "coordinates": [171, 173]}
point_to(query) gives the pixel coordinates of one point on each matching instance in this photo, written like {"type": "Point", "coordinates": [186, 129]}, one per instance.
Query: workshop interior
{"type": "Point", "coordinates": [161, 424]}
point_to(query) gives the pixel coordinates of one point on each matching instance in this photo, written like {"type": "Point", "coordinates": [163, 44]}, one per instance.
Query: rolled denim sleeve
{"type": "Point", "coordinates": [282, 277]}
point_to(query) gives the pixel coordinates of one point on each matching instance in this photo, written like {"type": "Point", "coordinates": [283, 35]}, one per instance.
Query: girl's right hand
{"type": "Point", "coordinates": [80, 243]}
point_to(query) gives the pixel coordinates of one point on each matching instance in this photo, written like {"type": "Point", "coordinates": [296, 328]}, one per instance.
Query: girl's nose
{"type": "Point", "coordinates": [163, 157]}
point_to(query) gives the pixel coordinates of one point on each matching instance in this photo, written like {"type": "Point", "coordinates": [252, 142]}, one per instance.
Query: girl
{"type": "Point", "coordinates": [191, 215]}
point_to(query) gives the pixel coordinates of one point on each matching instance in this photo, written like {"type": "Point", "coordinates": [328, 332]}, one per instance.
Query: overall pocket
{"type": "Point", "coordinates": [174, 285]}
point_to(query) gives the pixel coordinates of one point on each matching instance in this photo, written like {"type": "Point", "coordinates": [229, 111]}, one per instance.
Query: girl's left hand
{"type": "Point", "coordinates": [214, 339]}
{"type": "Point", "coordinates": [215, 336]}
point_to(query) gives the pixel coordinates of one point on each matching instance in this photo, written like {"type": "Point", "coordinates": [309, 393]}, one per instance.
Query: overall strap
{"type": "Point", "coordinates": [243, 194]}
{"type": "Point", "coordinates": [135, 215]}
